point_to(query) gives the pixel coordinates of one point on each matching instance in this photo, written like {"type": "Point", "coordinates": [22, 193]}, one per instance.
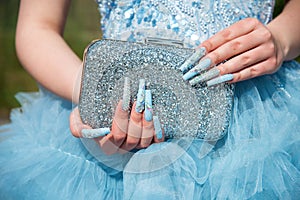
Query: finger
{"type": "Point", "coordinates": [236, 30]}
{"type": "Point", "coordinates": [239, 46]}
{"type": "Point", "coordinates": [236, 46]}
{"type": "Point", "coordinates": [265, 67]}
{"type": "Point", "coordinates": [94, 133]}
{"type": "Point", "coordinates": [76, 125]}
{"type": "Point", "coordinates": [119, 125]}
{"type": "Point", "coordinates": [148, 128]}
{"type": "Point", "coordinates": [247, 59]}
{"type": "Point", "coordinates": [107, 144]}
{"type": "Point", "coordinates": [147, 134]}
{"type": "Point", "coordinates": [134, 130]}
{"type": "Point", "coordinates": [159, 135]}
{"type": "Point", "coordinates": [227, 49]}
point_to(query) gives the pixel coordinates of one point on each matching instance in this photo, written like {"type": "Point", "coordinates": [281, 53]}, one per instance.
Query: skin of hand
{"type": "Point", "coordinates": [125, 134]}
{"type": "Point", "coordinates": [252, 49]}
{"type": "Point", "coordinates": [44, 53]}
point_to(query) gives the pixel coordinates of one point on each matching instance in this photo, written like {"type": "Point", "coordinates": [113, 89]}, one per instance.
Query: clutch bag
{"type": "Point", "coordinates": [198, 111]}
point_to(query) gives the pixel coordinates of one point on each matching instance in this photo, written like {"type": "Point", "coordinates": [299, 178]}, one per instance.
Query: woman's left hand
{"type": "Point", "coordinates": [249, 49]}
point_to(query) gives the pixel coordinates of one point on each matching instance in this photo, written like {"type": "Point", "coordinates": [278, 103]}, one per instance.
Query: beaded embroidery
{"type": "Point", "coordinates": [192, 21]}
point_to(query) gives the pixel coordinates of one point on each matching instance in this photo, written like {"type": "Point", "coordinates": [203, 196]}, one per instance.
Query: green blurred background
{"type": "Point", "coordinates": [82, 27]}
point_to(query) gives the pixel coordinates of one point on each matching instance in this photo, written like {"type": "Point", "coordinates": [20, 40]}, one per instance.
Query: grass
{"type": "Point", "coordinates": [81, 28]}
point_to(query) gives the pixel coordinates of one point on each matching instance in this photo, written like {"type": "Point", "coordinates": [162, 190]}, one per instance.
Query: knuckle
{"type": "Point", "coordinates": [237, 77]}
{"type": "Point", "coordinates": [245, 60]}
{"type": "Point", "coordinates": [272, 61]}
{"type": "Point", "coordinates": [226, 34]}
{"type": "Point", "coordinates": [236, 45]}
{"type": "Point", "coordinates": [224, 69]}
{"type": "Point", "coordinates": [253, 21]}
{"type": "Point", "coordinates": [254, 72]}
{"type": "Point", "coordinates": [216, 57]}
{"type": "Point", "coordinates": [208, 45]}
{"type": "Point", "coordinates": [118, 136]}
{"type": "Point", "coordinates": [266, 34]}
{"type": "Point", "coordinates": [272, 47]}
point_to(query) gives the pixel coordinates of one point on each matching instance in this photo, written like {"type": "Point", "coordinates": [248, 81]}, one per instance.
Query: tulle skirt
{"type": "Point", "coordinates": [259, 158]}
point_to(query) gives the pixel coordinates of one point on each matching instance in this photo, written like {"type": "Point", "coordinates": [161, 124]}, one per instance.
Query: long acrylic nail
{"type": "Point", "coordinates": [214, 72]}
{"type": "Point", "coordinates": [157, 128]}
{"type": "Point", "coordinates": [93, 133]}
{"type": "Point", "coordinates": [140, 102]}
{"type": "Point", "coordinates": [220, 79]}
{"type": "Point", "coordinates": [203, 65]}
{"type": "Point", "coordinates": [197, 55]}
{"type": "Point", "coordinates": [126, 94]}
{"type": "Point", "coordinates": [148, 105]}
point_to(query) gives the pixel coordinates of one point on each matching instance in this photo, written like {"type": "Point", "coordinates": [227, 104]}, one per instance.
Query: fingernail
{"type": "Point", "coordinates": [93, 133]}
{"type": "Point", "coordinates": [203, 65]}
{"type": "Point", "coordinates": [197, 55]}
{"type": "Point", "coordinates": [148, 105]}
{"type": "Point", "coordinates": [140, 102]}
{"type": "Point", "coordinates": [214, 72]}
{"type": "Point", "coordinates": [157, 128]}
{"type": "Point", "coordinates": [126, 94]}
{"type": "Point", "coordinates": [220, 79]}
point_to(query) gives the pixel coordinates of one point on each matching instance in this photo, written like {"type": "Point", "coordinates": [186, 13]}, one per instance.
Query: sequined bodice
{"type": "Point", "coordinates": [191, 21]}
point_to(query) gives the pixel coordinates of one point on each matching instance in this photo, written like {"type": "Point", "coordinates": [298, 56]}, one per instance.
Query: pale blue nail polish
{"type": "Point", "coordinates": [221, 79]}
{"type": "Point", "coordinates": [203, 65]}
{"type": "Point", "coordinates": [157, 128]}
{"type": "Point", "coordinates": [93, 133]}
{"type": "Point", "coordinates": [197, 55]}
{"type": "Point", "coordinates": [190, 74]}
{"type": "Point", "coordinates": [126, 94]}
{"type": "Point", "coordinates": [148, 105]}
{"type": "Point", "coordinates": [214, 72]}
{"type": "Point", "coordinates": [140, 102]}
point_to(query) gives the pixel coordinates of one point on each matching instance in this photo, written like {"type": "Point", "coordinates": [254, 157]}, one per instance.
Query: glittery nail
{"type": "Point", "coordinates": [126, 94]}
{"type": "Point", "coordinates": [148, 105]}
{"type": "Point", "coordinates": [220, 79]}
{"type": "Point", "coordinates": [197, 55]}
{"type": "Point", "coordinates": [214, 72]}
{"type": "Point", "coordinates": [93, 133]}
{"type": "Point", "coordinates": [203, 65]}
{"type": "Point", "coordinates": [157, 128]}
{"type": "Point", "coordinates": [140, 102]}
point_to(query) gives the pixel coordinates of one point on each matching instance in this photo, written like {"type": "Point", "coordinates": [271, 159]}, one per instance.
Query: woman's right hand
{"type": "Point", "coordinates": [125, 134]}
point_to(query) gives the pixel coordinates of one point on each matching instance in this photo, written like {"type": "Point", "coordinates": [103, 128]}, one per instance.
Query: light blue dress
{"type": "Point", "coordinates": [259, 158]}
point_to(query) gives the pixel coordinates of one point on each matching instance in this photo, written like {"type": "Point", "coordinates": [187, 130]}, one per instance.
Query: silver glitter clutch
{"type": "Point", "coordinates": [183, 110]}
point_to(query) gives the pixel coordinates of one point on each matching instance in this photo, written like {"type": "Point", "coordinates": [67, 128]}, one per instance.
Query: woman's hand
{"type": "Point", "coordinates": [125, 135]}
{"type": "Point", "coordinates": [244, 50]}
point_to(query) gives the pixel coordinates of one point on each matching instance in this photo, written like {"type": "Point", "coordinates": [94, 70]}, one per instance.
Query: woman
{"type": "Point", "coordinates": [258, 158]}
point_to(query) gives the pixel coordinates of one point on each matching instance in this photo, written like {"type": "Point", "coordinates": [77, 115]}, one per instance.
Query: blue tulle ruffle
{"type": "Point", "coordinates": [258, 159]}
